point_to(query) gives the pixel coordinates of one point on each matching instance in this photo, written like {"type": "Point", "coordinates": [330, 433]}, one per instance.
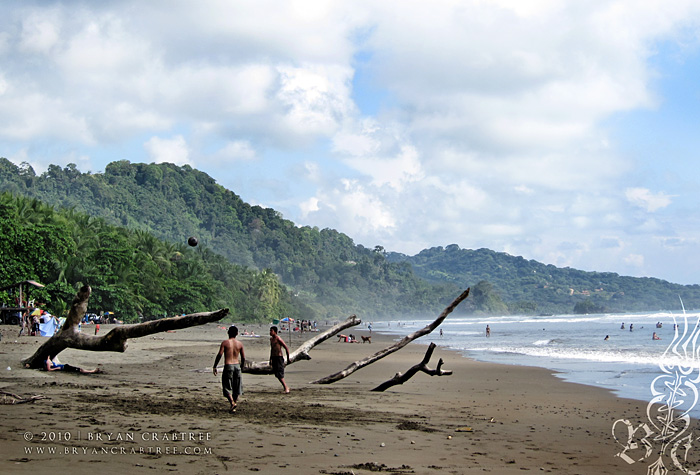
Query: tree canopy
{"type": "Point", "coordinates": [528, 286]}
{"type": "Point", "coordinates": [132, 272]}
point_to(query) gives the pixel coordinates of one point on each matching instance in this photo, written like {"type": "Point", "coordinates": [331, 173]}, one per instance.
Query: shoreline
{"type": "Point", "coordinates": [622, 362]}
{"type": "Point", "coordinates": [486, 417]}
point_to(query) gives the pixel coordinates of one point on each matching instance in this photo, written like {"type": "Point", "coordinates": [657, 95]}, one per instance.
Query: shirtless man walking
{"type": "Point", "coordinates": [276, 357]}
{"type": "Point", "coordinates": [234, 359]}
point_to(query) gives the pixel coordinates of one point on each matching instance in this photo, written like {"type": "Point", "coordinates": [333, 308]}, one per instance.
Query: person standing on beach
{"type": "Point", "coordinates": [234, 359]}
{"type": "Point", "coordinates": [488, 331]}
{"type": "Point", "coordinates": [25, 324]}
{"type": "Point", "coordinates": [276, 357]}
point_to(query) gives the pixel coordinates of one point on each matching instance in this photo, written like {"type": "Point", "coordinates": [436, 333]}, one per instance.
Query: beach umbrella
{"type": "Point", "coordinates": [36, 312]}
{"type": "Point", "coordinates": [289, 327]}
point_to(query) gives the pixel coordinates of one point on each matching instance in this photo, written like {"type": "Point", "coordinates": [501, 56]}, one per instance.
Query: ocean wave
{"type": "Point", "coordinates": [542, 342]}
{"type": "Point", "coordinates": [636, 318]}
{"type": "Point", "coordinates": [647, 359]}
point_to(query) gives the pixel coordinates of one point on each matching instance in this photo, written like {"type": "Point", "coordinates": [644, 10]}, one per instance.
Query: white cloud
{"type": "Point", "coordinates": [316, 97]}
{"type": "Point", "coordinates": [357, 138]}
{"type": "Point", "coordinates": [395, 172]}
{"type": "Point", "coordinates": [361, 211]}
{"type": "Point", "coordinates": [101, 47]}
{"type": "Point", "coordinates": [3, 85]}
{"type": "Point", "coordinates": [309, 206]}
{"type": "Point", "coordinates": [234, 151]}
{"type": "Point", "coordinates": [41, 117]}
{"type": "Point", "coordinates": [647, 200]}
{"type": "Point", "coordinates": [40, 31]}
{"type": "Point", "coordinates": [363, 207]}
{"type": "Point", "coordinates": [525, 190]}
{"type": "Point", "coordinates": [635, 260]}
{"type": "Point", "coordinates": [173, 150]}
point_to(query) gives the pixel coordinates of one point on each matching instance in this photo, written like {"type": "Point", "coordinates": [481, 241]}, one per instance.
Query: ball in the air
{"type": "Point", "coordinates": [192, 241]}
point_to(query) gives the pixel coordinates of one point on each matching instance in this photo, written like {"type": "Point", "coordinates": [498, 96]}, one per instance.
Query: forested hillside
{"type": "Point", "coordinates": [528, 286]}
{"type": "Point", "coordinates": [131, 272]}
{"type": "Point", "coordinates": [323, 268]}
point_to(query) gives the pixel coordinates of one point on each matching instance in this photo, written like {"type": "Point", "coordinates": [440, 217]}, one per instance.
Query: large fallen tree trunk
{"type": "Point", "coordinates": [69, 335]}
{"type": "Point", "coordinates": [302, 353]}
{"type": "Point", "coordinates": [389, 350]}
{"type": "Point", "coordinates": [400, 378]}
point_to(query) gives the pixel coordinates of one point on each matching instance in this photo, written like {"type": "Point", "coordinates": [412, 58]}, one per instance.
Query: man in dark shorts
{"type": "Point", "coordinates": [231, 380]}
{"type": "Point", "coordinates": [276, 357]}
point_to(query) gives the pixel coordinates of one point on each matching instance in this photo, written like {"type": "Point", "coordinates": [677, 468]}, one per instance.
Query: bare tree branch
{"type": "Point", "coordinates": [302, 353]}
{"type": "Point", "coordinates": [389, 350]}
{"type": "Point", "coordinates": [117, 339]}
{"type": "Point", "coordinates": [400, 378]}
{"type": "Point", "coordinates": [11, 399]}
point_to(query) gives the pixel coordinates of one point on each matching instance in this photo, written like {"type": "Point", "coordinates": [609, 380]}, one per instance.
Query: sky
{"type": "Point", "coordinates": [562, 131]}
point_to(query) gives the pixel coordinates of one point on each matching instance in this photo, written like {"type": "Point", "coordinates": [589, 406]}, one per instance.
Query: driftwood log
{"type": "Point", "coordinates": [117, 339]}
{"type": "Point", "coordinates": [391, 349]}
{"type": "Point", "coordinates": [400, 378]}
{"type": "Point", "coordinates": [302, 353]}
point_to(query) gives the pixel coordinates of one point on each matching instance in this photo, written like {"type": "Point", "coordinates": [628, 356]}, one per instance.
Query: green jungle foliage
{"type": "Point", "coordinates": [530, 287]}
{"type": "Point", "coordinates": [130, 271]}
{"type": "Point", "coordinates": [322, 268]}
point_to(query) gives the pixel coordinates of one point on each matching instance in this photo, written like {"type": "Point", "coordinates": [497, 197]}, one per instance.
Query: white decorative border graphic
{"type": "Point", "coordinates": [674, 395]}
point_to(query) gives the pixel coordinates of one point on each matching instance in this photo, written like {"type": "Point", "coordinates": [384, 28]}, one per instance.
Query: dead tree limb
{"type": "Point", "coordinates": [11, 399]}
{"type": "Point", "coordinates": [302, 353]}
{"type": "Point", "coordinates": [400, 378]}
{"type": "Point", "coordinates": [389, 350]}
{"type": "Point", "coordinates": [117, 339]}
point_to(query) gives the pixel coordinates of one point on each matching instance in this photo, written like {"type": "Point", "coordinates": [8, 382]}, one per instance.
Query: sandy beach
{"type": "Point", "coordinates": [158, 408]}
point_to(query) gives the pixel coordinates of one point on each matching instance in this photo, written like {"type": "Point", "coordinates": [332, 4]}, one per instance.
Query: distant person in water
{"type": "Point", "coordinates": [655, 336]}
{"type": "Point", "coordinates": [488, 331]}
{"type": "Point", "coordinates": [622, 327]}
{"type": "Point", "coordinates": [631, 326]}
{"type": "Point", "coordinates": [607, 337]}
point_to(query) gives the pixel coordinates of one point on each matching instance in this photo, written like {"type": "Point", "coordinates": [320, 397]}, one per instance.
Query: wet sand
{"type": "Point", "coordinates": [157, 407]}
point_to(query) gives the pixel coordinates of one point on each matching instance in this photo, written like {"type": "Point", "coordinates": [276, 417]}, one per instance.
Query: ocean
{"type": "Point", "coordinates": [574, 346]}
